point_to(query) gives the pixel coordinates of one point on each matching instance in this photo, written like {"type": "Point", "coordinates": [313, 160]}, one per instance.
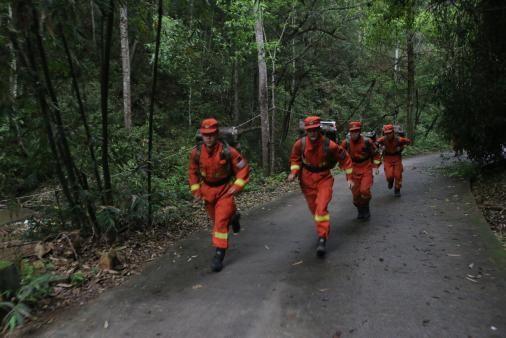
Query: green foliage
{"type": "Point", "coordinates": [431, 143]}
{"type": "Point", "coordinates": [34, 288]}
{"type": "Point", "coordinates": [461, 169]}
{"type": "Point", "coordinates": [78, 278]}
{"type": "Point", "coordinates": [473, 83]}
{"type": "Point", "coordinates": [15, 316]}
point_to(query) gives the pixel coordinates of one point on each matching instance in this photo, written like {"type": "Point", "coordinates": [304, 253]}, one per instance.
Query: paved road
{"type": "Point", "coordinates": [402, 274]}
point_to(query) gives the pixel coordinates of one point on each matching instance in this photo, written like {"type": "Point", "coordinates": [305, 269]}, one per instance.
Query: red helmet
{"type": "Point", "coordinates": [209, 126]}
{"type": "Point", "coordinates": [388, 128]}
{"type": "Point", "coordinates": [354, 126]}
{"type": "Point", "coordinates": [311, 122]}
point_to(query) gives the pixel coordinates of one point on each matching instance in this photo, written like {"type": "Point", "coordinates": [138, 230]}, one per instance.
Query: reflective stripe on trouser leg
{"type": "Point", "coordinates": [224, 209]}
{"type": "Point", "coordinates": [322, 225]}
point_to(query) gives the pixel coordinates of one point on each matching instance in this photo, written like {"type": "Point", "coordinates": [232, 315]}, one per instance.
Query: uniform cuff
{"type": "Point", "coordinates": [240, 183]}
{"type": "Point", "coordinates": [195, 187]}
{"type": "Point", "coordinates": [294, 169]}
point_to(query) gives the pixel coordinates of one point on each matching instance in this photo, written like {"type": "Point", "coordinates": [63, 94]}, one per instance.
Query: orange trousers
{"type": "Point", "coordinates": [393, 169]}
{"type": "Point", "coordinates": [362, 179]}
{"type": "Point", "coordinates": [220, 209]}
{"type": "Point", "coordinates": [317, 189]}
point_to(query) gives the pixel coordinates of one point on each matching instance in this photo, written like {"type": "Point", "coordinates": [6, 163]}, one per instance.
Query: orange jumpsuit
{"type": "Point", "coordinates": [364, 158]}
{"type": "Point", "coordinates": [316, 180]}
{"type": "Point", "coordinates": [392, 158]}
{"type": "Point", "coordinates": [210, 177]}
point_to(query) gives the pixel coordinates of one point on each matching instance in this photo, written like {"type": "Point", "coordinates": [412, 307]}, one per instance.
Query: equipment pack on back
{"type": "Point", "coordinates": [229, 136]}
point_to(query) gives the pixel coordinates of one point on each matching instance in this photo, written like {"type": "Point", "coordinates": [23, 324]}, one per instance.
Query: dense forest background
{"type": "Point", "coordinates": [100, 100]}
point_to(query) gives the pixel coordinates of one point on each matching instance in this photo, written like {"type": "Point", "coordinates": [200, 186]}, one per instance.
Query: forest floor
{"type": "Point", "coordinates": [489, 189]}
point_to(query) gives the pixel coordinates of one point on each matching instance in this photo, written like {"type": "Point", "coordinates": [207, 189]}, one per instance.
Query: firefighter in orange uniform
{"type": "Point", "coordinates": [364, 155]}
{"type": "Point", "coordinates": [392, 157]}
{"type": "Point", "coordinates": [213, 165]}
{"type": "Point", "coordinates": [312, 158]}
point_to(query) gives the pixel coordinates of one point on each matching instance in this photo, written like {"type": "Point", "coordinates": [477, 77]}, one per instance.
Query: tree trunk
{"type": "Point", "coordinates": [236, 92]}
{"type": "Point", "coordinates": [411, 71]}
{"type": "Point", "coordinates": [125, 64]}
{"type": "Point", "coordinates": [93, 22]}
{"type": "Point", "coordinates": [190, 107]}
{"type": "Point", "coordinates": [61, 138]}
{"type": "Point", "coordinates": [104, 95]}
{"type": "Point", "coordinates": [82, 113]}
{"type": "Point", "coordinates": [262, 88]}
{"type": "Point", "coordinates": [13, 88]}
{"type": "Point", "coordinates": [151, 109]}
{"type": "Point", "coordinates": [13, 78]}
{"type": "Point", "coordinates": [28, 61]}
{"type": "Point", "coordinates": [272, 143]}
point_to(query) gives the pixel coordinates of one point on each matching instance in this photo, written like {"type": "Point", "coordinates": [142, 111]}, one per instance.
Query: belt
{"type": "Point", "coordinates": [360, 160]}
{"type": "Point", "coordinates": [314, 169]}
{"type": "Point", "coordinates": [218, 183]}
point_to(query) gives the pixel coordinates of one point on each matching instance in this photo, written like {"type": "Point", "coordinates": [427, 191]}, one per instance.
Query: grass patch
{"type": "Point", "coordinates": [460, 169]}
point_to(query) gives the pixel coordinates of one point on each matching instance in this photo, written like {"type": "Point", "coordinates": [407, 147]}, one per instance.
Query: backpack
{"type": "Point", "coordinates": [397, 145]}
{"type": "Point", "coordinates": [399, 131]}
{"type": "Point", "coordinates": [228, 136]}
{"type": "Point", "coordinates": [329, 162]}
{"type": "Point", "coordinates": [367, 142]}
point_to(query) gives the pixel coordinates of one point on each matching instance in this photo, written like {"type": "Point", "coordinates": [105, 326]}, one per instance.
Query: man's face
{"type": "Point", "coordinates": [210, 139]}
{"type": "Point", "coordinates": [389, 136]}
{"type": "Point", "coordinates": [355, 134]}
{"type": "Point", "coordinates": [313, 133]}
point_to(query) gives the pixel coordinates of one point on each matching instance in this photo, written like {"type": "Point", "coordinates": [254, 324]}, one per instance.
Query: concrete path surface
{"type": "Point", "coordinates": [425, 265]}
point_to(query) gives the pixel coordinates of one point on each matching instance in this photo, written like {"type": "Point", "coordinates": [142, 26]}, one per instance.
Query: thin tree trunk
{"type": "Point", "coordinates": [61, 139]}
{"type": "Point", "coordinates": [272, 143]}
{"type": "Point", "coordinates": [13, 78]}
{"type": "Point", "coordinates": [82, 113]}
{"type": "Point", "coordinates": [28, 61]}
{"type": "Point", "coordinates": [411, 71]}
{"type": "Point", "coordinates": [151, 110]}
{"type": "Point", "coordinates": [93, 22]}
{"type": "Point", "coordinates": [13, 88]}
{"type": "Point", "coordinates": [190, 107]}
{"type": "Point", "coordinates": [236, 92]}
{"type": "Point", "coordinates": [293, 88]}
{"type": "Point", "coordinates": [262, 88]}
{"type": "Point", "coordinates": [125, 63]}
{"type": "Point", "coordinates": [133, 49]}
{"type": "Point", "coordinates": [104, 91]}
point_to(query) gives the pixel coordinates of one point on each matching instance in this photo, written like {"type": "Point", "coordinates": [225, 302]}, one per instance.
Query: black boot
{"type": "Point", "coordinates": [360, 212]}
{"type": "Point", "coordinates": [366, 213]}
{"type": "Point", "coordinates": [320, 248]}
{"type": "Point", "coordinates": [390, 184]}
{"type": "Point", "coordinates": [397, 192]}
{"type": "Point", "coordinates": [234, 222]}
{"type": "Point", "coordinates": [217, 262]}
